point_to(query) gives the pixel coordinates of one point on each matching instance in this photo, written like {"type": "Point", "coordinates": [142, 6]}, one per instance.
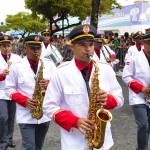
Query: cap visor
{"type": "Point", "coordinates": [34, 45]}
{"type": "Point", "coordinates": [83, 39]}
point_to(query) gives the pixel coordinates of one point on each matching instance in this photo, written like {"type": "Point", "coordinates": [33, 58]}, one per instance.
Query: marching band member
{"type": "Point", "coordinates": [7, 107]}
{"type": "Point", "coordinates": [68, 102]}
{"type": "Point", "coordinates": [21, 84]}
{"type": "Point", "coordinates": [136, 75]}
{"type": "Point", "coordinates": [49, 50]}
{"type": "Point", "coordinates": [134, 48]}
{"type": "Point", "coordinates": [104, 53]}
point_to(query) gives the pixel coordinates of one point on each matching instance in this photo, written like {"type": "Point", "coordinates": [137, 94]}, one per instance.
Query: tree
{"type": "Point", "coordinates": [62, 9]}
{"type": "Point", "coordinates": [100, 7]}
{"type": "Point", "coordinates": [26, 22]}
{"type": "Point", "coordinates": [49, 9]}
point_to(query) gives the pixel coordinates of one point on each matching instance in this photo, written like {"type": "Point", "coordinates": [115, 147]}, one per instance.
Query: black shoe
{"type": "Point", "coordinates": [4, 147]}
{"type": "Point", "coordinates": [11, 144]}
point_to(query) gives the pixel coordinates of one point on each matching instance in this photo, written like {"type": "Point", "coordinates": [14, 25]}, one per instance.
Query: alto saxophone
{"type": "Point", "coordinates": [38, 94]}
{"type": "Point", "coordinates": [96, 113]}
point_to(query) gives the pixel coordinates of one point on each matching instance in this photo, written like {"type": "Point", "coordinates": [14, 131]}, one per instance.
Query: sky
{"type": "Point", "coordinates": [8, 7]}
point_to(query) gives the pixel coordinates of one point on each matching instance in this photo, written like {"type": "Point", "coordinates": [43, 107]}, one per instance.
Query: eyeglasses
{"type": "Point", "coordinates": [46, 34]}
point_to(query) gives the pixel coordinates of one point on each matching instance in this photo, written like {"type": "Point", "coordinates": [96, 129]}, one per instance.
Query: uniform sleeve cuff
{"type": "Point", "coordinates": [19, 98]}
{"type": "Point", "coordinates": [65, 119]}
{"type": "Point", "coordinates": [2, 77]}
{"type": "Point", "coordinates": [135, 86]}
{"type": "Point", "coordinates": [112, 102]}
{"type": "Point", "coordinates": [113, 56]}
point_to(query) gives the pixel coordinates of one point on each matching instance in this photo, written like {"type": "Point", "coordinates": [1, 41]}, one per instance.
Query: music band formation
{"type": "Point", "coordinates": [76, 94]}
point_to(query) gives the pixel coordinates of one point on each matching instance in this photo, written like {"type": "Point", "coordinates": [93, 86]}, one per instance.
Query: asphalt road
{"type": "Point", "coordinates": [123, 129]}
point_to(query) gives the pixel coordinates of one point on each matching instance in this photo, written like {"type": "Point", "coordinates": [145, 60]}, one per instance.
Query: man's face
{"type": "Point", "coordinates": [46, 37]}
{"type": "Point", "coordinates": [33, 52]}
{"type": "Point", "coordinates": [5, 48]}
{"type": "Point", "coordinates": [138, 40]}
{"type": "Point", "coordinates": [98, 45]}
{"type": "Point", "coordinates": [82, 50]}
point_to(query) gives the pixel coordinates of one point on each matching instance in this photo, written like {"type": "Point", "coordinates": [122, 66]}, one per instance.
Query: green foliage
{"type": "Point", "coordinates": [3, 28]}
{"type": "Point", "coordinates": [80, 8]}
{"type": "Point", "coordinates": [106, 6]}
{"type": "Point", "coordinates": [50, 8]}
{"type": "Point", "coordinates": [26, 22]}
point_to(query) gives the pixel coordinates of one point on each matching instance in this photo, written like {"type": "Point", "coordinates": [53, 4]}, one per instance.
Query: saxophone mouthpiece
{"type": "Point", "coordinates": [90, 56]}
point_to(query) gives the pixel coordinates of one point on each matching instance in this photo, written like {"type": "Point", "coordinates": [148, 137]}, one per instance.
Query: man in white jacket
{"type": "Point", "coordinates": [67, 101]}
{"type": "Point", "coordinates": [7, 107]}
{"type": "Point", "coordinates": [20, 86]}
{"type": "Point", "coordinates": [134, 48]}
{"type": "Point", "coordinates": [136, 75]}
{"type": "Point", "coordinates": [48, 50]}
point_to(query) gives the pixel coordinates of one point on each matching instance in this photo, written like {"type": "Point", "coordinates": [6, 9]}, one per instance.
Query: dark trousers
{"type": "Point", "coordinates": [142, 118]}
{"type": "Point", "coordinates": [33, 135]}
{"type": "Point", "coordinates": [7, 116]}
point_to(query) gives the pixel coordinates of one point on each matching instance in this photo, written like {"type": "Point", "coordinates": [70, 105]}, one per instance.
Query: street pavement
{"type": "Point", "coordinates": [123, 129]}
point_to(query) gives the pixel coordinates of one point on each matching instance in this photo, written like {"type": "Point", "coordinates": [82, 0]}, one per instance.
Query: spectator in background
{"type": "Point", "coordinates": [20, 47]}
{"type": "Point", "coordinates": [15, 45]}
{"type": "Point", "coordinates": [68, 54]}
{"type": "Point", "coordinates": [126, 36]}
{"type": "Point", "coordinates": [116, 45]}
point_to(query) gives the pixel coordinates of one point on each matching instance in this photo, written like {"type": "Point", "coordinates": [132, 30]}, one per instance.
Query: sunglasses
{"type": "Point", "coordinates": [46, 34]}
{"type": "Point", "coordinates": [34, 48]}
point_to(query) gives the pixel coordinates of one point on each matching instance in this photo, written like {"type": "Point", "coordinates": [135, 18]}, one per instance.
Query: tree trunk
{"type": "Point", "coordinates": [50, 25]}
{"type": "Point", "coordinates": [94, 13]}
{"type": "Point", "coordinates": [63, 27]}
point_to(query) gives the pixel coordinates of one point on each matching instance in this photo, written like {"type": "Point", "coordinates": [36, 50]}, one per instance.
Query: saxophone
{"type": "Point", "coordinates": [38, 94]}
{"type": "Point", "coordinates": [97, 114]}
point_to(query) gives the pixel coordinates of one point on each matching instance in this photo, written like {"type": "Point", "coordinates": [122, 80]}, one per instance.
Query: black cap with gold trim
{"type": "Point", "coordinates": [82, 33]}
{"type": "Point", "coordinates": [5, 39]}
{"type": "Point", "coordinates": [137, 35]}
{"type": "Point", "coordinates": [33, 40]}
{"type": "Point", "coordinates": [46, 31]}
{"type": "Point", "coordinates": [98, 38]}
{"type": "Point", "coordinates": [146, 38]}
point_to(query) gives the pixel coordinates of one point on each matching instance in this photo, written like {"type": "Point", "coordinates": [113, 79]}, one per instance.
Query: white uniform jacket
{"type": "Point", "coordinates": [52, 51]}
{"type": "Point", "coordinates": [3, 65]}
{"type": "Point", "coordinates": [137, 68]}
{"type": "Point", "coordinates": [68, 92]}
{"type": "Point", "coordinates": [22, 79]}
{"type": "Point", "coordinates": [132, 51]}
